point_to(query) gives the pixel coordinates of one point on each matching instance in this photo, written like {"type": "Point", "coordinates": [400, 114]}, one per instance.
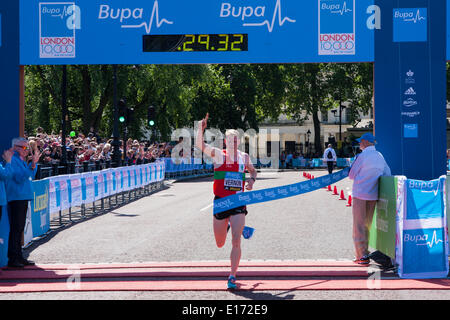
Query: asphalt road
{"type": "Point", "coordinates": [175, 224]}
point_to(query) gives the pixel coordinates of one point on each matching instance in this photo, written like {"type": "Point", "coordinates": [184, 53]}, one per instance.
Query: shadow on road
{"type": "Point", "coordinates": [253, 295]}
{"type": "Point", "coordinates": [78, 218]}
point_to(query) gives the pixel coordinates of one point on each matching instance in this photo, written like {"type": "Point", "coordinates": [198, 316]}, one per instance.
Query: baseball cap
{"type": "Point", "coordinates": [367, 136]}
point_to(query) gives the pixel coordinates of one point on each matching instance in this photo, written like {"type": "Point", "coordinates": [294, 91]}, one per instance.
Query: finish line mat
{"type": "Point", "coordinates": [206, 276]}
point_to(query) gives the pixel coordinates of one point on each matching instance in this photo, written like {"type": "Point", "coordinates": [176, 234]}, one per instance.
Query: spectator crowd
{"type": "Point", "coordinates": [91, 148]}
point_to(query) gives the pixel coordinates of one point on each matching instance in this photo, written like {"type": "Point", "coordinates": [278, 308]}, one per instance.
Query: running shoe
{"type": "Point", "coordinates": [247, 233]}
{"type": "Point", "coordinates": [364, 260]}
{"type": "Point", "coordinates": [231, 284]}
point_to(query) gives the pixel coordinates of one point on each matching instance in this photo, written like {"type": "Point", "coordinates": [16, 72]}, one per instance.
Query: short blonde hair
{"type": "Point", "coordinates": [231, 132]}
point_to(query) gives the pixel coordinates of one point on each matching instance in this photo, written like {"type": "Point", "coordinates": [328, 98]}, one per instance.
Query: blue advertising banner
{"type": "Point", "coordinates": [208, 31]}
{"type": "Point", "coordinates": [40, 208]}
{"type": "Point", "coordinates": [203, 31]}
{"type": "Point", "coordinates": [4, 234]}
{"type": "Point", "coordinates": [422, 239]}
{"type": "Point", "coordinates": [10, 72]}
{"type": "Point", "coordinates": [410, 87]}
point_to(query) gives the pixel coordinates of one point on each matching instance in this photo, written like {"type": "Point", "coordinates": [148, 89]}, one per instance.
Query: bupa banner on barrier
{"type": "Point", "coordinates": [37, 220]}
{"type": "Point", "coordinates": [88, 192]}
{"type": "Point", "coordinates": [54, 194]}
{"type": "Point", "coordinates": [40, 210]}
{"type": "Point", "coordinates": [252, 197]}
{"type": "Point", "coordinates": [422, 240]}
{"type": "Point", "coordinates": [73, 190]}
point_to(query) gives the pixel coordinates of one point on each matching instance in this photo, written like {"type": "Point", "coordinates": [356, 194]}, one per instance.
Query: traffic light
{"type": "Point", "coordinates": [129, 115]}
{"type": "Point", "coordinates": [122, 110]}
{"type": "Point", "coordinates": [151, 116]}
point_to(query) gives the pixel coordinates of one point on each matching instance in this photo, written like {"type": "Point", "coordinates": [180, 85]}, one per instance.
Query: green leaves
{"type": "Point", "coordinates": [236, 96]}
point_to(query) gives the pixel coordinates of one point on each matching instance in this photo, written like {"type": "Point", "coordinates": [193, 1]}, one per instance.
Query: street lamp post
{"type": "Point", "coordinates": [65, 119]}
{"type": "Point", "coordinates": [115, 142]}
{"type": "Point", "coordinates": [308, 133]}
{"type": "Point", "coordinates": [341, 107]}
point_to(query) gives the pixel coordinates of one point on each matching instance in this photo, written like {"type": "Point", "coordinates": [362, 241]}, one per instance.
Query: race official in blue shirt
{"type": "Point", "coordinates": [5, 174]}
{"type": "Point", "coordinates": [19, 190]}
{"type": "Point", "coordinates": [365, 172]}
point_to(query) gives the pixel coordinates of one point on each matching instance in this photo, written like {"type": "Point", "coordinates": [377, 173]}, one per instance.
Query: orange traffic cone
{"type": "Point", "coordinates": [304, 174]}
{"type": "Point", "coordinates": [312, 177]}
{"type": "Point", "coordinates": [335, 191]}
{"type": "Point", "coordinates": [349, 203]}
{"type": "Point", "coordinates": [329, 188]}
{"type": "Point", "coordinates": [342, 197]}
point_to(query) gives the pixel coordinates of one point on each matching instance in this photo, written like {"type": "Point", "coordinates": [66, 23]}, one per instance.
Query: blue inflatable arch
{"type": "Point", "coordinates": [406, 40]}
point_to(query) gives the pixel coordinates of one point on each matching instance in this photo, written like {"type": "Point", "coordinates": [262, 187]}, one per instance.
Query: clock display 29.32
{"type": "Point", "coordinates": [195, 42]}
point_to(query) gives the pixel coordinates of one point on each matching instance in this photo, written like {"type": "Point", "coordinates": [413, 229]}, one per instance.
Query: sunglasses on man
{"type": "Point", "coordinates": [22, 147]}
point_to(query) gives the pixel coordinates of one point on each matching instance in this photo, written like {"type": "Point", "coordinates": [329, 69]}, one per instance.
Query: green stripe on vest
{"type": "Point", "coordinates": [220, 175]}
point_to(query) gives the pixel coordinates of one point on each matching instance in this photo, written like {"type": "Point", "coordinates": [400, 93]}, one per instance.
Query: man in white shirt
{"type": "Point", "coordinates": [365, 172]}
{"type": "Point", "coordinates": [329, 157]}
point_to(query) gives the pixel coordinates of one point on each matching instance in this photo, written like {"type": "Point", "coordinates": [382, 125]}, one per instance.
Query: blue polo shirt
{"type": "Point", "coordinates": [20, 186]}
{"type": "Point", "coordinates": [5, 174]}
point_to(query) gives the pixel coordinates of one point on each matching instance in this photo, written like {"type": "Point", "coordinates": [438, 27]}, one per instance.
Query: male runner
{"type": "Point", "coordinates": [229, 179]}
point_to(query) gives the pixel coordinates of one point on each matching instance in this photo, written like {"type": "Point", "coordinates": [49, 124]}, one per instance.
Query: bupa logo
{"type": "Point", "coordinates": [133, 18]}
{"type": "Point", "coordinates": [336, 27]}
{"type": "Point", "coordinates": [57, 25]}
{"type": "Point", "coordinates": [264, 17]}
{"type": "Point", "coordinates": [423, 239]}
{"type": "Point", "coordinates": [336, 8]}
{"type": "Point", "coordinates": [410, 24]}
{"type": "Point", "coordinates": [425, 186]}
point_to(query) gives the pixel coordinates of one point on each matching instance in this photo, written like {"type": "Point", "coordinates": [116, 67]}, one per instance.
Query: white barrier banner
{"type": "Point", "coordinates": [88, 190]}
{"type": "Point", "coordinates": [98, 185]}
{"type": "Point", "coordinates": [54, 196]}
{"type": "Point", "coordinates": [126, 179]}
{"type": "Point", "coordinates": [68, 191]}
{"type": "Point", "coordinates": [63, 191]}
{"type": "Point", "coordinates": [106, 182]}
{"type": "Point", "coordinates": [119, 180]}
{"type": "Point", "coordinates": [75, 190]}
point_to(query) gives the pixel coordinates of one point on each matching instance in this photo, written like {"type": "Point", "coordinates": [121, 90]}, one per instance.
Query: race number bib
{"type": "Point", "coordinates": [233, 181]}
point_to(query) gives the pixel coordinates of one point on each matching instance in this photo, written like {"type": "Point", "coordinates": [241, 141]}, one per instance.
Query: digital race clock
{"type": "Point", "coordinates": [195, 42]}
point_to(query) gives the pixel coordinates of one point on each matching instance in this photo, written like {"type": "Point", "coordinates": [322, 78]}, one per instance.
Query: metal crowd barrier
{"type": "Point", "coordinates": [185, 168]}
{"type": "Point", "coordinates": [64, 199]}
{"type": "Point", "coordinates": [55, 169]}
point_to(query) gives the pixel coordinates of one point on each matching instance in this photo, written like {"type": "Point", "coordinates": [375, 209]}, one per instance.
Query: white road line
{"type": "Point", "coordinates": [207, 207]}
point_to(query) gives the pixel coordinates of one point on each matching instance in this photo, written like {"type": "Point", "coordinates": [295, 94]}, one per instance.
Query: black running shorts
{"type": "Point", "coordinates": [226, 214]}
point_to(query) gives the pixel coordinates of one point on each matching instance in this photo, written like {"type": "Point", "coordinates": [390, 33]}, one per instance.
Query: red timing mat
{"type": "Point", "coordinates": [205, 276]}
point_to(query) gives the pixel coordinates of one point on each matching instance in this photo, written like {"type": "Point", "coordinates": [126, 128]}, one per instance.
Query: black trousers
{"type": "Point", "coordinates": [17, 213]}
{"type": "Point", "coordinates": [330, 165]}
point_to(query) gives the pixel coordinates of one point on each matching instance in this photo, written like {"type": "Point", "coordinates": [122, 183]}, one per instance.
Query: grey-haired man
{"type": "Point", "coordinates": [365, 172]}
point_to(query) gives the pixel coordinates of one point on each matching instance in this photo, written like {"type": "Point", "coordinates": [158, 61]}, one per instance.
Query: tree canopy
{"type": "Point", "coordinates": [236, 96]}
